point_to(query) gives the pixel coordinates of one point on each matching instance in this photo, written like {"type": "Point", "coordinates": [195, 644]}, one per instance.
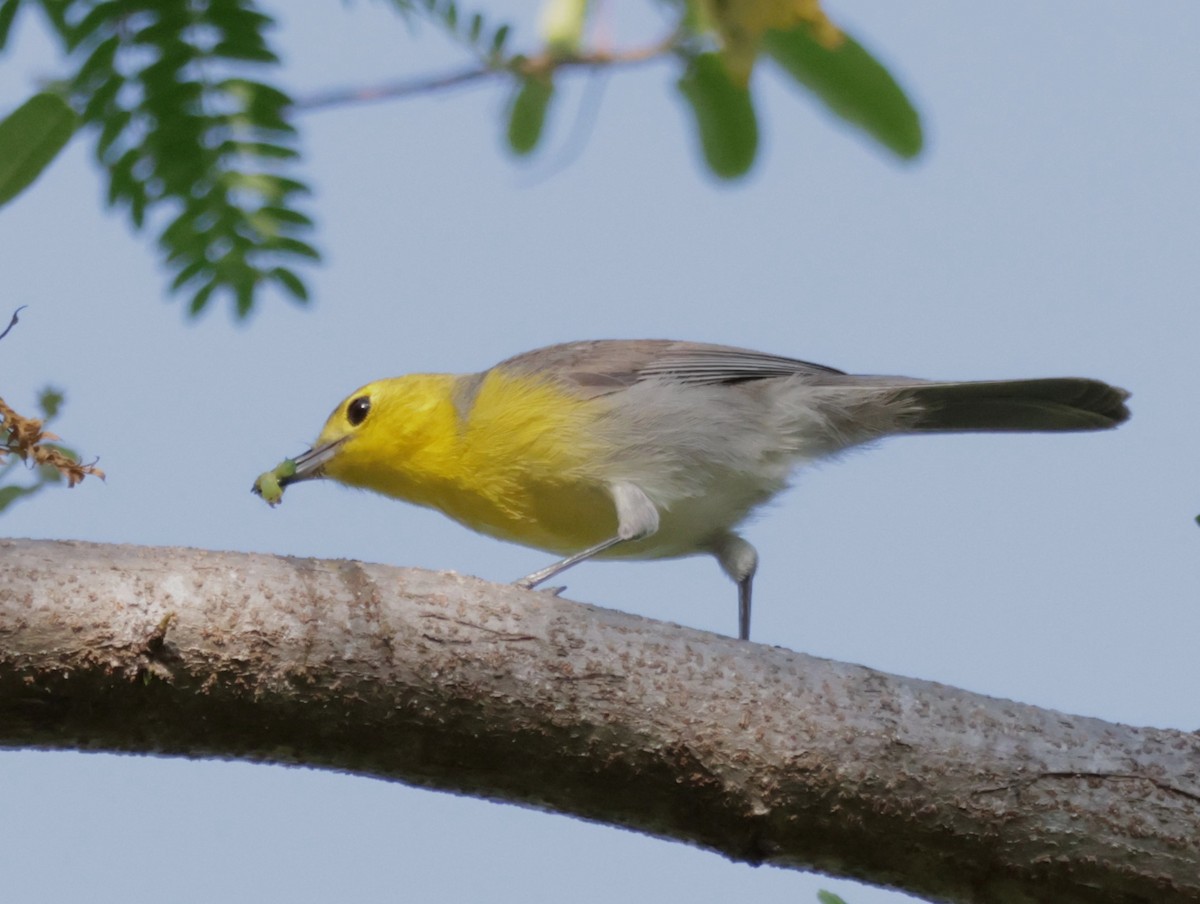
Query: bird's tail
{"type": "Point", "coordinates": [1055, 403]}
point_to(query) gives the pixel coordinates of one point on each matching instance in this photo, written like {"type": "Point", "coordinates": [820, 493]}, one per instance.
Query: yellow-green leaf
{"type": "Point", "coordinates": [560, 24]}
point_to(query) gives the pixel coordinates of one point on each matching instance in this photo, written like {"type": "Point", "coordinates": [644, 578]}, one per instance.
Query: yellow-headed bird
{"type": "Point", "coordinates": [646, 449]}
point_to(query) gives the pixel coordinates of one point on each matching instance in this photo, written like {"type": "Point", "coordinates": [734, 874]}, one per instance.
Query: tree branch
{"type": "Point", "coordinates": [760, 754]}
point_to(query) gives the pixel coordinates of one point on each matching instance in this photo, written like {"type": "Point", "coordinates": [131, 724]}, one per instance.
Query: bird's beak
{"type": "Point", "coordinates": [311, 464]}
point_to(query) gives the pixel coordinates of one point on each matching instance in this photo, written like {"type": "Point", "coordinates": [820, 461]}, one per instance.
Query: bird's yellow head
{"type": "Point", "coordinates": [381, 435]}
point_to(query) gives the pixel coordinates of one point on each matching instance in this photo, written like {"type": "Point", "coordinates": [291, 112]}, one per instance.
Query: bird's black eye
{"type": "Point", "coordinates": [356, 411]}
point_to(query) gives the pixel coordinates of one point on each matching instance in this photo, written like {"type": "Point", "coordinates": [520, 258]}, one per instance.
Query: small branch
{"type": "Point", "coordinates": [543, 64]}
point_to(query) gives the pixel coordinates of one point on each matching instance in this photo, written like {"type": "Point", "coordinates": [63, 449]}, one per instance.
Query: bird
{"type": "Point", "coordinates": [650, 448]}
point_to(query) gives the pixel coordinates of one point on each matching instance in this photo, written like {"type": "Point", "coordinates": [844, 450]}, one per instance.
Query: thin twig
{"type": "Point", "coordinates": [13, 322]}
{"type": "Point", "coordinates": [429, 84]}
{"type": "Point", "coordinates": [338, 97]}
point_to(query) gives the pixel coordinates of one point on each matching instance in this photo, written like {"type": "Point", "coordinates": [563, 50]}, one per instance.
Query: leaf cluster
{"type": "Point", "coordinates": [188, 135]}
{"type": "Point", "coordinates": [195, 139]}
{"type": "Point", "coordinates": [25, 440]}
{"type": "Point", "coordinates": [718, 44]}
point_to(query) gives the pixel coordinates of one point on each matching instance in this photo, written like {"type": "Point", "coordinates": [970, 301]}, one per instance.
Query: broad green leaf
{"type": "Point", "coordinates": [527, 113]}
{"type": "Point", "coordinates": [30, 137]}
{"type": "Point", "coordinates": [10, 494]}
{"type": "Point", "coordinates": [724, 114]}
{"type": "Point", "coordinates": [828, 897]}
{"type": "Point", "coordinates": [853, 85]}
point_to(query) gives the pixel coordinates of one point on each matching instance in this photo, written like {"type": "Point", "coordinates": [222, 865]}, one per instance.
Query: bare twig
{"type": "Point", "coordinates": [12, 322]}
{"type": "Point", "coordinates": [542, 64]}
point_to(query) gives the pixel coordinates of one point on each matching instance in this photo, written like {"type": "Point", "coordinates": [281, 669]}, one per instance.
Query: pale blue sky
{"type": "Point", "coordinates": [1050, 229]}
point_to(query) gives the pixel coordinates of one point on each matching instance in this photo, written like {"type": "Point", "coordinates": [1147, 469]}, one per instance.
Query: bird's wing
{"type": "Point", "coordinates": [607, 365]}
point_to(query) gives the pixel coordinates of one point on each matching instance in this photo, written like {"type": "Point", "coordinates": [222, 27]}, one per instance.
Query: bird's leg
{"type": "Point", "coordinates": [744, 607]}
{"type": "Point", "coordinates": [739, 560]}
{"type": "Point", "coordinates": [637, 517]}
{"type": "Point", "coordinates": [532, 580]}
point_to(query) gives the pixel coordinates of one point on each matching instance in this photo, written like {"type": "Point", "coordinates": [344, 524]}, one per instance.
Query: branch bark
{"type": "Point", "coordinates": [757, 753]}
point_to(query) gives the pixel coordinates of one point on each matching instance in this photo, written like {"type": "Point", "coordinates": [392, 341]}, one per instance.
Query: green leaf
{"type": "Point", "coordinates": [98, 17]}
{"type": "Point", "coordinates": [258, 149]}
{"type": "Point", "coordinates": [287, 215]}
{"type": "Point", "coordinates": [291, 246]}
{"type": "Point", "coordinates": [828, 897]}
{"type": "Point", "coordinates": [161, 32]}
{"type": "Point", "coordinates": [10, 494]}
{"type": "Point", "coordinates": [527, 113]}
{"type": "Point", "coordinates": [853, 85]}
{"type": "Point", "coordinates": [121, 183]}
{"type": "Point", "coordinates": [30, 137]}
{"type": "Point", "coordinates": [50, 401]}
{"type": "Point", "coordinates": [291, 282]}
{"type": "Point", "coordinates": [56, 18]}
{"type": "Point", "coordinates": [724, 116]}
{"type": "Point", "coordinates": [250, 52]}
{"type": "Point", "coordinates": [200, 299]}
{"type": "Point", "coordinates": [198, 267]}
{"type": "Point", "coordinates": [253, 94]}
{"type": "Point", "coordinates": [499, 39]}
{"type": "Point", "coordinates": [269, 186]}
{"type": "Point", "coordinates": [243, 289]}
{"type": "Point", "coordinates": [8, 12]}
{"type": "Point", "coordinates": [103, 100]}
{"type": "Point", "coordinates": [99, 65]}
{"type": "Point", "coordinates": [237, 17]}
{"type": "Point", "coordinates": [114, 126]}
